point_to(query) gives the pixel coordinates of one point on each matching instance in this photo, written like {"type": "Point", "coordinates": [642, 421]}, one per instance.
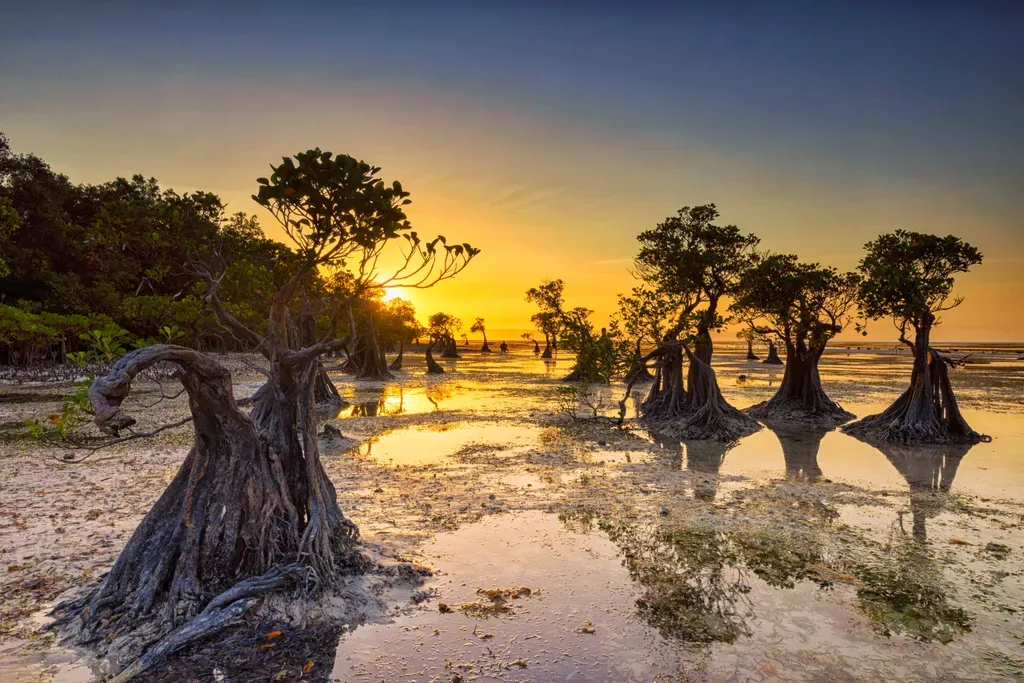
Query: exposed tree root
{"type": "Point", "coordinates": [697, 413]}
{"type": "Point", "coordinates": [432, 367]}
{"type": "Point", "coordinates": [800, 397]}
{"type": "Point", "coordinates": [396, 364]}
{"type": "Point", "coordinates": [927, 412]}
{"type": "Point", "coordinates": [250, 496]}
{"type": "Point", "coordinates": [227, 609]}
{"type": "Point", "coordinates": [324, 391]}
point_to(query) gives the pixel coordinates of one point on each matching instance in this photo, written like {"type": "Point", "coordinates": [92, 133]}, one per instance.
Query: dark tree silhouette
{"type": "Point", "coordinates": [252, 495]}
{"type": "Point", "coordinates": [749, 335]}
{"type": "Point", "coordinates": [692, 263]}
{"type": "Point", "coordinates": [800, 445]}
{"type": "Point", "coordinates": [929, 471]}
{"type": "Point", "coordinates": [442, 329]}
{"type": "Point", "coordinates": [478, 326]}
{"type": "Point", "coordinates": [528, 336]}
{"type": "Point", "coordinates": [773, 354]}
{"type": "Point", "coordinates": [803, 305]}
{"type": "Point", "coordinates": [908, 277]}
{"type": "Point", "coordinates": [550, 300]}
{"type": "Point", "coordinates": [644, 316]}
{"type": "Point", "coordinates": [432, 366]}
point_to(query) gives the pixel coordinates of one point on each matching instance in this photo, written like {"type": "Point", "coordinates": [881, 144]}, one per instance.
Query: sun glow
{"type": "Point", "coordinates": [392, 293]}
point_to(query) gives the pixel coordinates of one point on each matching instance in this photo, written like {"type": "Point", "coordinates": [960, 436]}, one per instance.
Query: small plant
{"type": "Point", "coordinates": [105, 345]}
{"type": "Point", "coordinates": [579, 401]}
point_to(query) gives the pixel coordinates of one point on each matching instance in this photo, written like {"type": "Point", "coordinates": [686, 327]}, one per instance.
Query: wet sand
{"type": "Point", "coordinates": [792, 555]}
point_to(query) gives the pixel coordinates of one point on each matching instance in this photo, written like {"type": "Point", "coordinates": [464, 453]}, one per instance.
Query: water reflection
{"type": "Point", "coordinates": [929, 471]}
{"type": "Point", "coordinates": [395, 399]}
{"type": "Point", "coordinates": [800, 445]}
{"type": "Point", "coordinates": [705, 457]}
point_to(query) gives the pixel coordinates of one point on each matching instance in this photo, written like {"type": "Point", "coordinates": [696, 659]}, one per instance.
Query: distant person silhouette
{"type": "Point", "coordinates": [503, 347]}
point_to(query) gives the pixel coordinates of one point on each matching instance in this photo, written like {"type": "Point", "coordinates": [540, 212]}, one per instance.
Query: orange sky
{"type": "Point", "coordinates": [543, 197]}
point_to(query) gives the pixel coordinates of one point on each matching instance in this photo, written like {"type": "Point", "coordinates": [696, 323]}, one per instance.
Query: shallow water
{"type": "Point", "coordinates": [794, 554]}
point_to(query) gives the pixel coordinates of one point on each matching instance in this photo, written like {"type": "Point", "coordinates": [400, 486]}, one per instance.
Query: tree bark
{"type": "Point", "coordinates": [251, 495]}
{"type": "Point", "coordinates": [927, 412]}
{"type": "Point", "coordinates": [709, 416]}
{"type": "Point", "coordinates": [432, 367]}
{"type": "Point", "coordinates": [396, 364]}
{"type": "Point", "coordinates": [547, 346]}
{"type": "Point", "coordinates": [773, 355]}
{"type": "Point", "coordinates": [324, 391]}
{"type": "Point", "coordinates": [451, 350]}
{"type": "Point", "coordinates": [800, 396]}
{"type": "Point", "coordinates": [485, 348]}
{"type": "Point", "coordinates": [750, 351]}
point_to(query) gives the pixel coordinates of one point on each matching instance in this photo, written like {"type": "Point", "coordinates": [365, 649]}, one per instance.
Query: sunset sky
{"type": "Point", "coordinates": [550, 136]}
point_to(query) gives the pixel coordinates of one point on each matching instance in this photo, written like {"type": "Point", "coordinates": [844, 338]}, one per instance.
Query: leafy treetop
{"type": "Point", "coordinates": [908, 276]}
{"type": "Point", "coordinates": [802, 304]}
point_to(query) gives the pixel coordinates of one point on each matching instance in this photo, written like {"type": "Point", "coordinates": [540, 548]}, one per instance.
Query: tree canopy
{"type": "Point", "coordinates": [908, 276]}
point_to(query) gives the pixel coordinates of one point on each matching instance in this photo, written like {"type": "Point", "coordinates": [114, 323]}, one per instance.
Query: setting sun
{"type": "Point", "coordinates": [534, 340]}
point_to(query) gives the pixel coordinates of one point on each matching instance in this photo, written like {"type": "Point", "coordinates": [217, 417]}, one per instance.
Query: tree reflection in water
{"type": "Point", "coordinates": [800, 444]}
{"type": "Point", "coordinates": [703, 457]}
{"type": "Point", "coordinates": [695, 568]}
{"type": "Point", "coordinates": [929, 471]}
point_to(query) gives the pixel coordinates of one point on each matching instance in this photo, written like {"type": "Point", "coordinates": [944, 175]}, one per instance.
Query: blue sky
{"type": "Point", "coordinates": [797, 117]}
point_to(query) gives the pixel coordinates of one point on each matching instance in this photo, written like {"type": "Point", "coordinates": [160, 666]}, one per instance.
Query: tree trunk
{"type": "Point", "coordinates": [251, 495]}
{"type": "Point", "coordinates": [750, 350]}
{"type": "Point", "coordinates": [432, 367]}
{"type": "Point", "coordinates": [536, 346]}
{"type": "Point", "coordinates": [451, 350]}
{"type": "Point", "coordinates": [324, 391]}
{"type": "Point", "coordinates": [666, 401]}
{"type": "Point", "coordinates": [800, 446]}
{"type": "Point", "coordinates": [639, 371]}
{"type": "Point", "coordinates": [927, 412]}
{"type": "Point", "coordinates": [396, 364]}
{"type": "Point", "coordinates": [485, 348]}
{"type": "Point", "coordinates": [708, 415]}
{"type": "Point", "coordinates": [773, 355]}
{"type": "Point", "coordinates": [800, 396]}
{"type": "Point", "coordinates": [372, 363]}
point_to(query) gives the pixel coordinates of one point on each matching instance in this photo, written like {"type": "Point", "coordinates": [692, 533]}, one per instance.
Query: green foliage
{"type": "Point", "coordinates": [104, 346]}
{"type": "Point", "coordinates": [646, 314]}
{"type": "Point", "coordinates": [24, 334]}
{"type": "Point", "coordinates": [442, 326]}
{"type": "Point", "coordinates": [550, 299]}
{"type": "Point", "coordinates": [908, 276]}
{"type": "Point", "coordinates": [337, 211]}
{"type": "Point", "coordinates": [9, 222]}
{"type": "Point", "coordinates": [689, 261]}
{"type": "Point", "coordinates": [395, 322]}
{"type": "Point", "coordinates": [600, 356]}
{"type": "Point", "coordinates": [580, 401]}
{"type": "Point", "coordinates": [803, 304]}
{"type": "Point", "coordinates": [127, 249]}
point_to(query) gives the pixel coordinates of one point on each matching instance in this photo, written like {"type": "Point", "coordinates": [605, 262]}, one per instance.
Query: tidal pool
{"type": "Point", "coordinates": [793, 554]}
